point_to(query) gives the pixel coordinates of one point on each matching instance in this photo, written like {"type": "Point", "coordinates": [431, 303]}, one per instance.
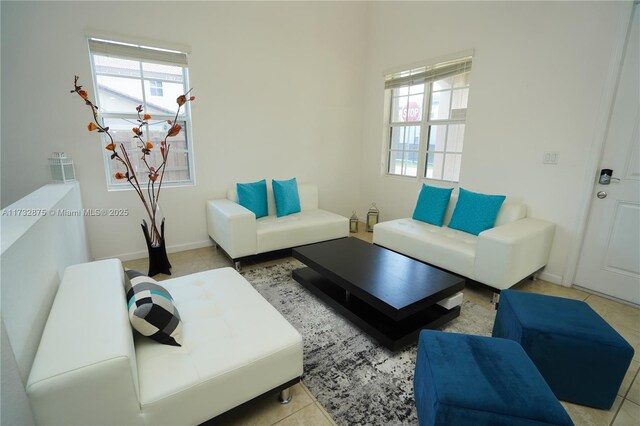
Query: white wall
{"type": "Point", "coordinates": [278, 95]}
{"type": "Point", "coordinates": [15, 408]}
{"type": "Point", "coordinates": [295, 89]}
{"type": "Point", "coordinates": [538, 78]}
{"type": "Point", "coordinates": [36, 249]}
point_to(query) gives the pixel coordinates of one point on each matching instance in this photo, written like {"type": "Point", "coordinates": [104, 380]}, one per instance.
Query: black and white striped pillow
{"type": "Point", "coordinates": [151, 309]}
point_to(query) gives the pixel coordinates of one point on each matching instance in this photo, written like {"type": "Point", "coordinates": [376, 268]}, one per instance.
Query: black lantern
{"type": "Point", "coordinates": [372, 217]}
{"type": "Point", "coordinates": [353, 223]}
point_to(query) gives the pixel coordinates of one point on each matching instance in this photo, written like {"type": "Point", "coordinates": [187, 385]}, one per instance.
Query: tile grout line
{"type": "Point", "coordinates": [306, 389]}
{"type": "Point", "coordinates": [291, 414]}
{"type": "Point", "coordinates": [624, 398]}
{"type": "Point", "coordinates": [613, 419]}
{"type": "Point", "coordinates": [632, 382]}
{"type": "Point", "coordinates": [325, 413]}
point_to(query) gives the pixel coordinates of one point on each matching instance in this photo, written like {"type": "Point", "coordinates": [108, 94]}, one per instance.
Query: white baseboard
{"type": "Point", "coordinates": [552, 278]}
{"type": "Point", "coordinates": [171, 249]}
{"type": "Point", "coordinates": [606, 296]}
{"type": "Point", "coordinates": [189, 246]}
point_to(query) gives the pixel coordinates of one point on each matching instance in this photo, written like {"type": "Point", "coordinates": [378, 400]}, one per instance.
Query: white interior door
{"type": "Point", "coordinates": [610, 258]}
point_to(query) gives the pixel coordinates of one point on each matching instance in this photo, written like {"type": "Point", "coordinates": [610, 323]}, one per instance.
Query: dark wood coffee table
{"type": "Point", "coordinates": [390, 296]}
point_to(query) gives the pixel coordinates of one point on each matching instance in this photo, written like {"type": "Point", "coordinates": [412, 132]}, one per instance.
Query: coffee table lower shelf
{"type": "Point", "coordinates": [390, 333]}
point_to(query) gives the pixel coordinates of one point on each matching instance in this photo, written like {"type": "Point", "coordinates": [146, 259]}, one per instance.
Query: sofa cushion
{"type": "Point", "coordinates": [236, 347]}
{"type": "Point", "coordinates": [308, 193]}
{"type": "Point", "coordinates": [432, 204]}
{"type": "Point", "coordinates": [306, 227]}
{"type": "Point", "coordinates": [151, 309]}
{"type": "Point", "coordinates": [253, 196]}
{"type": "Point", "coordinates": [439, 246]}
{"type": "Point", "coordinates": [286, 195]}
{"type": "Point", "coordinates": [510, 212]}
{"type": "Point", "coordinates": [475, 212]}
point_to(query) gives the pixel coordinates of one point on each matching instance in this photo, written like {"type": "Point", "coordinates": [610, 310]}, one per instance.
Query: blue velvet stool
{"type": "Point", "coordinates": [582, 358]}
{"type": "Point", "coordinates": [473, 380]}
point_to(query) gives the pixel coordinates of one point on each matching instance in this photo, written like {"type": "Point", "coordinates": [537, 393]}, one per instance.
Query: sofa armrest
{"type": "Point", "coordinates": [509, 253]}
{"type": "Point", "coordinates": [232, 227]}
{"type": "Point", "coordinates": [85, 370]}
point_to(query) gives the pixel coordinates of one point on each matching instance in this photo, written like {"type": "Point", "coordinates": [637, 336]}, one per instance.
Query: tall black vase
{"type": "Point", "coordinates": [158, 260]}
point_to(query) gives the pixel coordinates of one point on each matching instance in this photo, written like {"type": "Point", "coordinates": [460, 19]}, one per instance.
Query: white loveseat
{"type": "Point", "coordinates": [236, 230]}
{"type": "Point", "coordinates": [90, 368]}
{"type": "Point", "coordinates": [515, 248]}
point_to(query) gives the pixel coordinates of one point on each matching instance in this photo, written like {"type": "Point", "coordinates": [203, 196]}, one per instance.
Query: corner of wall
{"type": "Point", "coordinates": [15, 406]}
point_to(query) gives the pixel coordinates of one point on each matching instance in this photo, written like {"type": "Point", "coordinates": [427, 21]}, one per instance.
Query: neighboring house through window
{"type": "Point", "coordinates": [426, 109]}
{"type": "Point", "coordinates": [155, 87]}
{"type": "Point", "coordinates": [127, 75]}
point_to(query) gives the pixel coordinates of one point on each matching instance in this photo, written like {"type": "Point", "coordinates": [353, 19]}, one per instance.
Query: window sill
{"type": "Point", "coordinates": [165, 185]}
{"type": "Point", "coordinates": [436, 182]}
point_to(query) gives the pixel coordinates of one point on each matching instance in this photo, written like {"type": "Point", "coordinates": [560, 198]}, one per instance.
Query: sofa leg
{"type": "Point", "coordinates": [285, 396]}
{"type": "Point", "coordinates": [237, 265]}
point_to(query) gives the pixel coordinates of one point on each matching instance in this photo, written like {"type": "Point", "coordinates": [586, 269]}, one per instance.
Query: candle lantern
{"type": "Point", "coordinates": [353, 223]}
{"type": "Point", "coordinates": [61, 168]}
{"type": "Point", "coordinates": [373, 216]}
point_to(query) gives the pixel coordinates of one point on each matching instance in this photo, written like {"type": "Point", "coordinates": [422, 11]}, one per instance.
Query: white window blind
{"type": "Point", "coordinates": [137, 52]}
{"type": "Point", "coordinates": [427, 74]}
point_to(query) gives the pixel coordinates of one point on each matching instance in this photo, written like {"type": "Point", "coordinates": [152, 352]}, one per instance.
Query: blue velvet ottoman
{"type": "Point", "coordinates": [473, 380]}
{"type": "Point", "coordinates": [582, 358]}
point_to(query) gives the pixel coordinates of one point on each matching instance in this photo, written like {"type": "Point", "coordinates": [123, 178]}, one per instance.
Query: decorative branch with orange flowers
{"type": "Point", "coordinates": [155, 174]}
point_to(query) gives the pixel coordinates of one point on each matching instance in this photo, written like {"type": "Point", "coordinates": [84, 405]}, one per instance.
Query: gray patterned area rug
{"type": "Point", "coordinates": [357, 380]}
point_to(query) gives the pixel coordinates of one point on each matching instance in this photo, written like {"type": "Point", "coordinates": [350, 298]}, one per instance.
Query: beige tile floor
{"type": "Point", "coordinates": [304, 409]}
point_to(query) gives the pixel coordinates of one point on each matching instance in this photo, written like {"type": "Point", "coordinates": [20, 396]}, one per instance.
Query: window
{"type": "Point", "coordinates": [156, 88]}
{"type": "Point", "coordinates": [127, 75]}
{"type": "Point", "coordinates": [426, 110]}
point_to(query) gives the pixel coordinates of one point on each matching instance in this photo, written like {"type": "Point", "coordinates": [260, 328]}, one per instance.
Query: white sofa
{"type": "Point", "coordinates": [236, 230]}
{"type": "Point", "coordinates": [515, 248]}
{"type": "Point", "coordinates": [90, 368]}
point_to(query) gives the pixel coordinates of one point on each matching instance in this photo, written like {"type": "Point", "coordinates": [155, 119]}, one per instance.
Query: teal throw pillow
{"type": "Point", "coordinates": [286, 195]}
{"type": "Point", "coordinates": [253, 196]}
{"type": "Point", "coordinates": [475, 212]}
{"type": "Point", "coordinates": [432, 204]}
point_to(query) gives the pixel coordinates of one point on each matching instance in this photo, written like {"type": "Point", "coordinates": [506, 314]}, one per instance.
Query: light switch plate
{"type": "Point", "coordinates": [550, 157]}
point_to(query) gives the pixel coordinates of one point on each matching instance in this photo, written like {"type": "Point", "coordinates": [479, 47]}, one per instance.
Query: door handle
{"type": "Point", "coordinates": [606, 176]}
{"type": "Point", "coordinates": [601, 194]}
